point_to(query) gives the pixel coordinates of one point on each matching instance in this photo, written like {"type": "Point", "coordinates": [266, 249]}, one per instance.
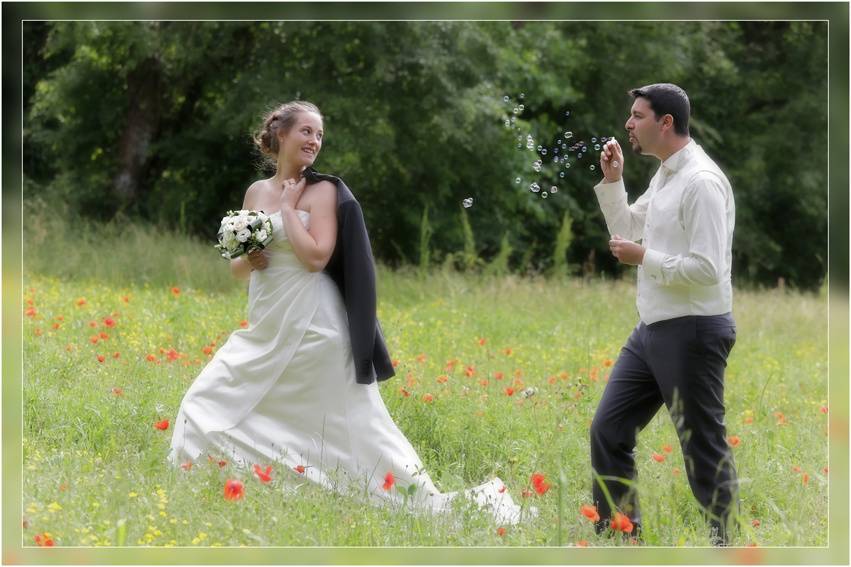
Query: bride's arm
{"type": "Point", "coordinates": [241, 267]}
{"type": "Point", "coordinates": [312, 247]}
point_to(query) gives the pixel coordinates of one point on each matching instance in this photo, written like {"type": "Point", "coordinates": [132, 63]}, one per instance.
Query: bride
{"type": "Point", "coordinates": [298, 386]}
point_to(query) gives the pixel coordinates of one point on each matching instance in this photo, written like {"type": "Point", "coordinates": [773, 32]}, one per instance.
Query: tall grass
{"type": "Point", "coordinates": [94, 465]}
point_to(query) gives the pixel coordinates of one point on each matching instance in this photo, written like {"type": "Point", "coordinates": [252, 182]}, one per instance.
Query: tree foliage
{"type": "Point", "coordinates": [153, 120]}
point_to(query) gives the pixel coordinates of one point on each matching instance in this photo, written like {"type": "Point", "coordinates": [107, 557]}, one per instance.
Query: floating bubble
{"type": "Point", "coordinates": [519, 146]}
{"type": "Point", "coordinates": [534, 187]}
{"type": "Point", "coordinates": [517, 180]}
{"type": "Point", "coordinates": [558, 142]}
{"type": "Point", "coordinates": [544, 195]}
{"type": "Point", "coordinates": [516, 110]}
{"type": "Point", "coordinates": [593, 140]}
{"type": "Point", "coordinates": [522, 95]}
{"type": "Point", "coordinates": [505, 98]}
{"type": "Point", "coordinates": [544, 151]}
{"type": "Point", "coordinates": [597, 147]}
{"type": "Point", "coordinates": [553, 189]}
{"type": "Point", "coordinates": [540, 148]}
{"type": "Point", "coordinates": [468, 202]}
{"type": "Point", "coordinates": [615, 164]}
{"type": "Point", "coordinates": [593, 167]}
{"type": "Point", "coordinates": [555, 159]}
{"type": "Point", "coordinates": [564, 146]}
{"type": "Point", "coordinates": [519, 137]}
{"type": "Point", "coordinates": [567, 113]}
{"type": "Point", "coordinates": [567, 165]}
{"type": "Point", "coordinates": [603, 139]}
{"type": "Point", "coordinates": [507, 123]}
{"type": "Point", "coordinates": [521, 107]}
{"type": "Point", "coordinates": [568, 135]}
{"type": "Point", "coordinates": [555, 150]}
{"type": "Point", "coordinates": [561, 174]}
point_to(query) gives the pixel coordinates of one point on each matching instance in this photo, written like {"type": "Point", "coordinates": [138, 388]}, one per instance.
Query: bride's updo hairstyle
{"type": "Point", "coordinates": [279, 120]}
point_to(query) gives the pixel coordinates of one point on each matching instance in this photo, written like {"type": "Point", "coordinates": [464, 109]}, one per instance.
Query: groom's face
{"type": "Point", "coordinates": [642, 127]}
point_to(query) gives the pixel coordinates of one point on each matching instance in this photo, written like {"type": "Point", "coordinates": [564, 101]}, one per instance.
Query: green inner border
{"type": "Point", "coordinates": [836, 13]}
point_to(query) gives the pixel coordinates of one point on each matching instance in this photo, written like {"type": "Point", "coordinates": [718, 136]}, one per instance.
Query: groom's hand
{"type": "Point", "coordinates": [611, 161]}
{"type": "Point", "coordinates": [626, 251]}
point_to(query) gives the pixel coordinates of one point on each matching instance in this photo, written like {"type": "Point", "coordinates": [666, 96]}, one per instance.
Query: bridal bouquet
{"type": "Point", "coordinates": [243, 231]}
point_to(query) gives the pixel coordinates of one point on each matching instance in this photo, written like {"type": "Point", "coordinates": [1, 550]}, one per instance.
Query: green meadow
{"type": "Point", "coordinates": [119, 319]}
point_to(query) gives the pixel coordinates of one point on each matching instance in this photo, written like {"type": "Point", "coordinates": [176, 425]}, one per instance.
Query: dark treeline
{"type": "Point", "coordinates": [153, 121]}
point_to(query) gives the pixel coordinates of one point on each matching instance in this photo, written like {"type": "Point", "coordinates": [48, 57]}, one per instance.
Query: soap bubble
{"type": "Point", "coordinates": [592, 168]}
{"type": "Point", "coordinates": [468, 202]}
{"type": "Point", "coordinates": [517, 180]}
{"type": "Point", "coordinates": [505, 98]}
{"type": "Point", "coordinates": [553, 189]}
{"type": "Point", "coordinates": [534, 187]}
{"type": "Point", "coordinates": [544, 195]}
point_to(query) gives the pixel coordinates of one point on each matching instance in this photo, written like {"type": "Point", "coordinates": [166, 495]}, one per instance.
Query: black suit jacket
{"type": "Point", "coordinates": [352, 268]}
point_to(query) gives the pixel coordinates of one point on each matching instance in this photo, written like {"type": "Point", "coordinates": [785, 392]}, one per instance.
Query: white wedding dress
{"type": "Point", "coordinates": [283, 390]}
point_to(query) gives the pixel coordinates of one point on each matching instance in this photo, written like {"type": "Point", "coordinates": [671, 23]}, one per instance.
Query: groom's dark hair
{"type": "Point", "coordinates": [667, 98]}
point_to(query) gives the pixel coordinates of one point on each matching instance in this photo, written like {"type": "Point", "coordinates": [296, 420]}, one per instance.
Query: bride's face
{"type": "Point", "coordinates": [302, 143]}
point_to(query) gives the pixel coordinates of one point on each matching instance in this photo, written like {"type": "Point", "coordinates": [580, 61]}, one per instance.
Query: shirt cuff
{"type": "Point", "coordinates": [610, 193]}
{"type": "Point", "coordinates": [652, 264]}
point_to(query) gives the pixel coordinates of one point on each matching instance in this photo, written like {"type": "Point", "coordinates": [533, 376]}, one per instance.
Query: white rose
{"type": "Point", "coordinates": [243, 235]}
{"type": "Point", "coordinates": [261, 236]}
{"type": "Point", "coordinates": [239, 224]}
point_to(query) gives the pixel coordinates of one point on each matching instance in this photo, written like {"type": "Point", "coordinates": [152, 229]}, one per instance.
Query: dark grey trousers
{"type": "Point", "coordinates": [679, 362]}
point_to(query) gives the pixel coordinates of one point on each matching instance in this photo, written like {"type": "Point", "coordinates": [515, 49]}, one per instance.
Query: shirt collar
{"type": "Point", "coordinates": [676, 160]}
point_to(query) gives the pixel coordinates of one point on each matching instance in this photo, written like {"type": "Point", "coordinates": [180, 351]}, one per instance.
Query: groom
{"type": "Point", "coordinates": [678, 351]}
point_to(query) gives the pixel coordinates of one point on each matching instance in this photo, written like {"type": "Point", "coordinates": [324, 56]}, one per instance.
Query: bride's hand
{"type": "Point", "coordinates": [257, 259]}
{"type": "Point", "coordinates": [292, 192]}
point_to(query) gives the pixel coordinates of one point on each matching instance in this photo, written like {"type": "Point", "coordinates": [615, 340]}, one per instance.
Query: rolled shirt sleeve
{"type": "Point", "coordinates": [622, 219]}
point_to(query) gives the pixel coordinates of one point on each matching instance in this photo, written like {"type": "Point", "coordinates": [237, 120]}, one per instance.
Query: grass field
{"type": "Point", "coordinates": [117, 325]}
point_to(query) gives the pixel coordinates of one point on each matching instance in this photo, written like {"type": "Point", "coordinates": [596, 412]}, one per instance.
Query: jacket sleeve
{"type": "Point", "coordinates": [360, 294]}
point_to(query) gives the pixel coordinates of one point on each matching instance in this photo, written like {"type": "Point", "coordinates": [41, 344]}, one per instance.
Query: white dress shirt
{"type": "Point", "coordinates": [685, 221]}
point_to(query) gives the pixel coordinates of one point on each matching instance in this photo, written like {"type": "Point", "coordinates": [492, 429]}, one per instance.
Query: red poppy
{"type": "Point", "coordinates": [509, 391]}
{"type": "Point", "coordinates": [38, 332]}
{"type": "Point", "coordinates": [823, 409]}
{"type": "Point", "coordinates": [207, 350]}
{"type": "Point", "coordinates": [667, 449]}
{"type": "Point", "coordinates": [264, 476]}
{"type": "Point", "coordinates": [162, 425]}
{"type": "Point", "coordinates": [526, 493]}
{"type": "Point", "coordinates": [675, 471]}
{"type": "Point", "coordinates": [590, 512]}
{"type": "Point", "coordinates": [608, 362]}
{"type": "Point", "coordinates": [421, 357]}
{"type": "Point", "coordinates": [125, 299]}
{"type": "Point", "coordinates": [186, 466]}
{"type": "Point", "coordinates": [482, 342]}
{"type": "Point", "coordinates": [81, 301]}
{"type": "Point", "coordinates": [395, 363]}
{"type": "Point", "coordinates": [733, 440]}
{"type": "Point", "coordinates": [151, 358]}
{"type": "Point", "coordinates": [805, 479]}
{"type": "Point", "coordinates": [404, 392]}
{"type": "Point", "coordinates": [450, 364]}
{"type": "Point", "coordinates": [222, 463]}
{"type": "Point", "coordinates": [498, 375]}
{"type": "Point", "coordinates": [825, 470]}
{"type": "Point", "coordinates": [748, 419]}
{"type": "Point", "coordinates": [101, 358]}
{"type": "Point", "coordinates": [30, 312]}
{"type": "Point", "coordinates": [299, 469]}
{"type": "Point", "coordinates": [483, 382]}
{"type": "Point", "coordinates": [539, 483]}
{"type": "Point", "coordinates": [103, 336]}
{"type": "Point", "coordinates": [781, 419]}
{"type": "Point", "coordinates": [389, 481]}
{"type": "Point", "coordinates": [43, 540]}
{"type": "Point", "coordinates": [507, 351]}
{"type": "Point", "coordinates": [93, 324]}
{"type": "Point", "coordinates": [175, 291]}
{"type": "Point", "coordinates": [755, 523]}
{"type": "Point", "coordinates": [502, 489]}
{"type": "Point", "coordinates": [55, 326]}
{"type": "Point", "coordinates": [552, 380]}
{"type": "Point", "coordinates": [621, 523]}
{"type": "Point", "coordinates": [117, 391]}
{"type": "Point", "coordinates": [500, 531]}
{"type": "Point", "coordinates": [109, 322]}
{"type": "Point", "coordinates": [582, 543]}
{"type": "Point", "coordinates": [172, 354]}
{"type": "Point", "coordinates": [94, 339]}
{"type": "Point", "coordinates": [243, 324]}
{"type": "Point", "coordinates": [469, 371]}
{"type": "Point", "coordinates": [428, 398]}
{"type": "Point", "coordinates": [234, 489]}
{"type": "Point", "coordinates": [442, 379]}
{"type": "Point", "coordinates": [657, 457]}
{"type": "Point", "coordinates": [116, 355]}
{"type": "Point", "coordinates": [796, 469]}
